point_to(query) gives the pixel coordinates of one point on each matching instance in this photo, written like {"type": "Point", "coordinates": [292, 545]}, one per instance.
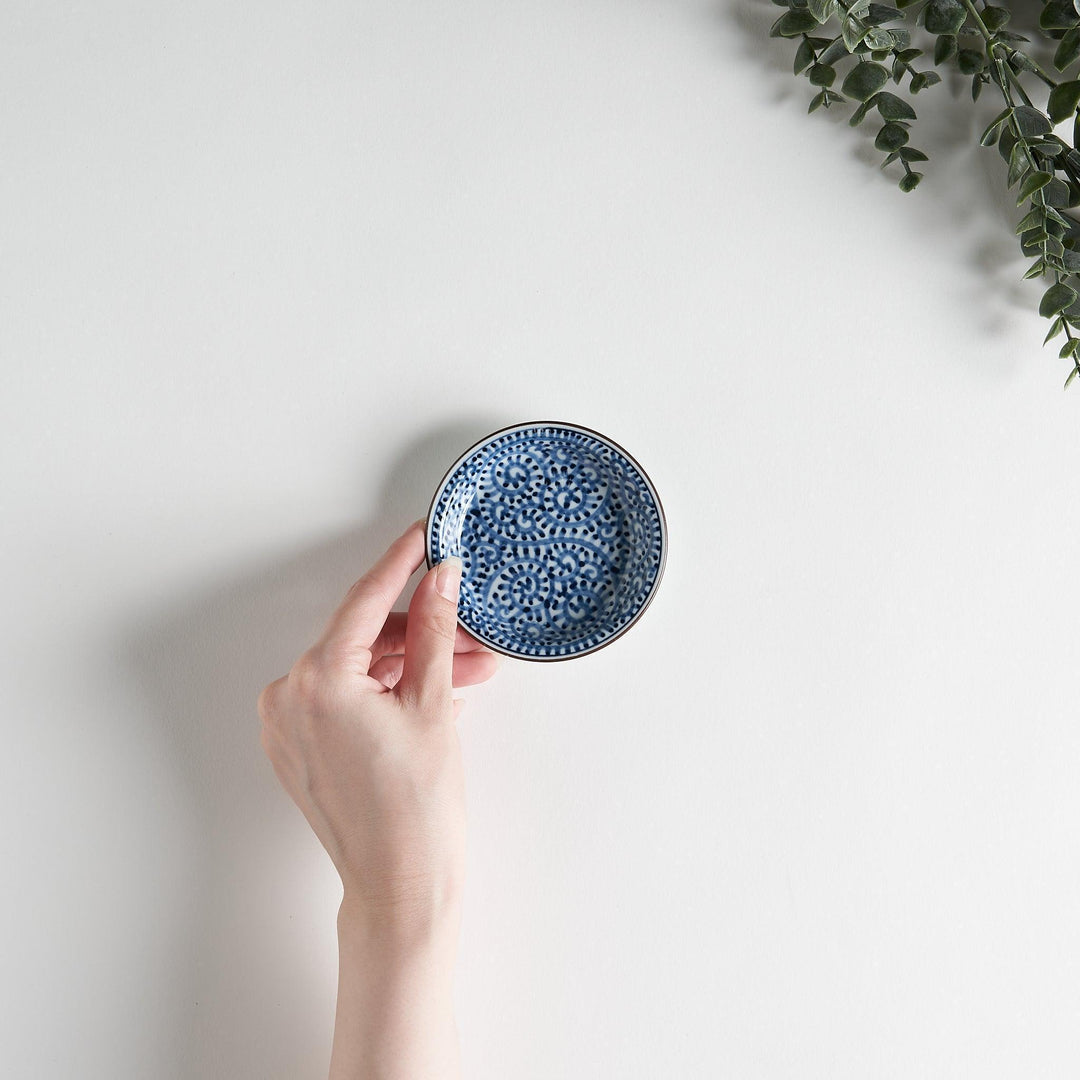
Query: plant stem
{"type": "Point", "coordinates": [983, 29]}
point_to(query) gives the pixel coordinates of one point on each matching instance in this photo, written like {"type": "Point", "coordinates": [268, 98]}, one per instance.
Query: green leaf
{"type": "Point", "coordinates": [909, 153]}
{"type": "Point", "coordinates": [990, 135]}
{"type": "Point", "coordinates": [1006, 142]}
{"type": "Point", "coordinates": [1057, 193]}
{"type": "Point", "coordinates": [1068, 349]}
{"type": "Point", "coordinates": [891, 107]}
{"type": "Point", "coordinates": [910, 181]}
{"type": "Point", "coordinates": [864, 80]}
{"type": "Point", "coordinates": [1030, 122]}
{"type": "Point", "coordinates": [835, 50]}
{"type": "Point", "coordinates": [1055, 328]}
{"type": "Point", "coordinates": [881, 41]}
{"type": "Point", "coordinates": [976, 86]}
{"type": "Point", "coordinates": [816, 102]}
{"type": "Point", "coordinates": [1056, 299]}
{"type": "Point", "coordinates": [822, 75]}
{"type": "Point", "coordinates": [852, 33]}
{"type": "Point", "coordinates": [1063, 101]}
{"type": "Point", "coordinates": [1037, 269]}
{"type": "Point", "coordinates": [1072, 375]}
{"type": "Point", "coordinates": [804, 56]}
{"type": "Point", "coordinates": [891, 137]}
{"type": "Point", "coordinates": [970, 61]}
{"type": "Point", "coordinates": [1068, 50]}
{"type": "Point", "coordinates": [859, 115]}
{"type": "Point", "coordinates": [1031, 220]}
{"type": "Point", "coordinates": [1035, 181]}
{"type": "Point", "coordinates": [1048, 148]}
{"type": "Point", "coordinates": [822, 10]}
{"type": "Point", "coordinates": [995, 17]}
{"type": "Point", "coordinates": [793, 23]}
{"type": "Point", "coordinates": [1071, 261]}
{"type": "Point", "coordinates": [876, 14]}
{"type": "Point", "coordinates": [1058, 15]}
{"type": "Point", "coordinates": [923, 80]}
{"type": "Point", "coordinates": [944, 16]}
{"type": "Point", "coordinates": [945, 49]}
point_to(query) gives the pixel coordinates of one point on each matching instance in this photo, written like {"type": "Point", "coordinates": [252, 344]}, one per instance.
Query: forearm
{"type": "Point", "coordinates": [395, 1009]}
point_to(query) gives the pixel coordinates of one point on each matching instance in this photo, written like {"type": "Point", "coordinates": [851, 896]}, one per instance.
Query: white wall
{"type": "Point", "coordinates": [267, 269]}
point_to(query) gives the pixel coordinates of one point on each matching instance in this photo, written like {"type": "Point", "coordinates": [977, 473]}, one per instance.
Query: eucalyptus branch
{"type": "Point", "coordinates": [874, 43]}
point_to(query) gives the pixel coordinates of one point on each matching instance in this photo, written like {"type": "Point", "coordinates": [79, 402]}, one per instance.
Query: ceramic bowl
{"type": "Point", "coordinates": [562, 538]}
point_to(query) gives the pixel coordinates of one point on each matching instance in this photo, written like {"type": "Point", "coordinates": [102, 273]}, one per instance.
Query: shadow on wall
{"type": "Point", "coordinates": [966, 211]}
{"type": "Point", "coordinates": [241, 995]}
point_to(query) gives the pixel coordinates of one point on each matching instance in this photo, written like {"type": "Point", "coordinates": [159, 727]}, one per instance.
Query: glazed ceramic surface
{"type": "Point", "coordinates": [561, 534]}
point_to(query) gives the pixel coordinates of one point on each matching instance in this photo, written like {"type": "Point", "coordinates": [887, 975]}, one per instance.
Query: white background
{"type": "Point", "coordinates": [267, 269]}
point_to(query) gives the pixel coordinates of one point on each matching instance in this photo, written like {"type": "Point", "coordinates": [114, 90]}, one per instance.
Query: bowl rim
{"type": "Point", "coordinates": [566, 425]}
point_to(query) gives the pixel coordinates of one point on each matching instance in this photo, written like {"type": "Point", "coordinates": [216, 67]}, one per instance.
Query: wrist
{"type": "Point", "coordinates": [407, 923]}
{"type": "Point", "coordinates": [395, 1012]}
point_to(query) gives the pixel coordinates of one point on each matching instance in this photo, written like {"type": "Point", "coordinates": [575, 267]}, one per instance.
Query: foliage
{"type": "Point", "coordinates": [873, 44]}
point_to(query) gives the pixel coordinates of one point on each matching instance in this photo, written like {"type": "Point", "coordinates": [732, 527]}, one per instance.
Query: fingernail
{"type": "Point", "coordinates": [448, 578]}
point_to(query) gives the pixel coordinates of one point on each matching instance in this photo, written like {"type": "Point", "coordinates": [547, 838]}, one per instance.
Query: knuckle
{"type": "Point", "coordinates": [308, 676]}
{"type": "Point", "coordinates": [441, 624]}
{"type": "Point", "coordinates": [267, 703]}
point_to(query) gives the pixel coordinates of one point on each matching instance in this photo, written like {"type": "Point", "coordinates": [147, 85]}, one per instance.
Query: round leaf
{"type": "Point", "coordinates": [891, 137]}
{"type": "Point", "coordinates": [1068, 50]}
{"type": "Point", "coordinates": [1057, 298]}
{"type": "Point", "coordinates": [1033, 182]}
{"type": "Point", "coordinates": [793, 23]}
{"type": "Point", "coordinates": [1031, 122]}
{"type": "Point", "coordinates": [893, 108]}
{"type": "Point", "coordinates": [864, 79]}
{"type": "Point", "coordinates": [944, 16]}
{"type": "Point", "coordinates": [970, 61]}
{"type": "Point", "coordinates": [1063, 100]}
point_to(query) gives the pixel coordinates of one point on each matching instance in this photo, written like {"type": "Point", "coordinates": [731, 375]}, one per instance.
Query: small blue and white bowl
{"type": "Point", "coordinates": [562, 538]}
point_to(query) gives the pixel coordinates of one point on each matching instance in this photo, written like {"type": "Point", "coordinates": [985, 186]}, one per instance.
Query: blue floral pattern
{"type": "Point", "coordinates": [561, 535]}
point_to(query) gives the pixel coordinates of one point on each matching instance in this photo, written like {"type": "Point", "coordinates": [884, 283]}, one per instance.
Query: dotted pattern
{"type": "Point", "coordinates": [560, 537]}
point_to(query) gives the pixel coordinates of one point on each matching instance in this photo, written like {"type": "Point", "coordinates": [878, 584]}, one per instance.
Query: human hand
{"type": "Point", "coordinates": [361, 735]}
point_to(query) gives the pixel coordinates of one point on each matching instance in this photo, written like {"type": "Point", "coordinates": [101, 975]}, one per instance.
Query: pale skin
{"type": "Point", "coordinates": [362, 735]}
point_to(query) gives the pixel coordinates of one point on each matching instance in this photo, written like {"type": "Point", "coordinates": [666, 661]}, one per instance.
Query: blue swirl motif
{"type": "Point", "coordinates": [560, 538]}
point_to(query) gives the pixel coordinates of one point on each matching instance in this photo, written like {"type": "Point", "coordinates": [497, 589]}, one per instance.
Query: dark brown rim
{"type": "Point", "coordinates": [629, 457]}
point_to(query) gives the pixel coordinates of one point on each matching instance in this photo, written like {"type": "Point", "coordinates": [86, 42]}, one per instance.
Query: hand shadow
{"type": "Point", "coordinates": [250, 998]}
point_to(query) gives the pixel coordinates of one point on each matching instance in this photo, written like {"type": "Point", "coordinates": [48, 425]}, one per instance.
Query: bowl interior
{"type": "Point", "coordinates": [560, 535]}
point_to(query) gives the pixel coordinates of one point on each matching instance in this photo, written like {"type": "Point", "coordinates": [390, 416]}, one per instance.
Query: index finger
{"type": "Point", "coordinates": [356, 624]}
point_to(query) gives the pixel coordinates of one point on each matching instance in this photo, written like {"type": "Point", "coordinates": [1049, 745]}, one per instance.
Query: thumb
{"type": "Point", "coordinates": [430, 633]}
